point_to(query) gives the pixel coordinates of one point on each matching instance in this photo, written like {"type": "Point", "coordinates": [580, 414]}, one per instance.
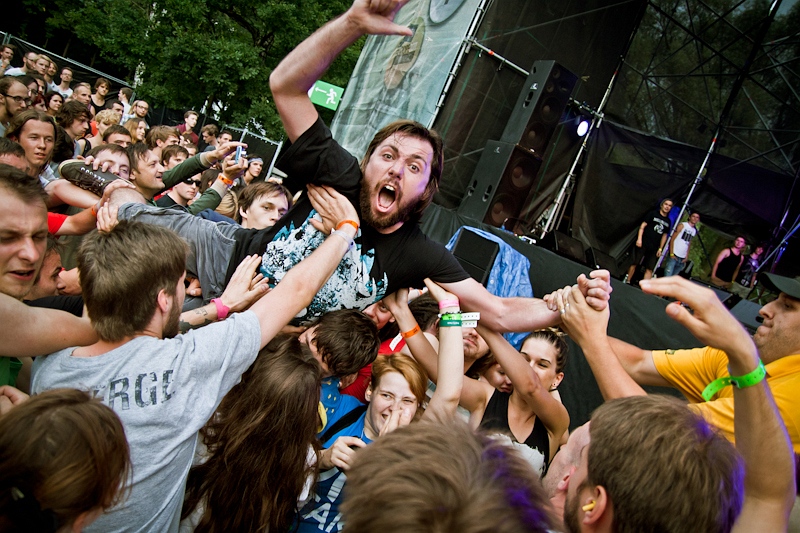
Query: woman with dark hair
{"type": "Point", "coordinates": [266, 427]}
{"type": "Point", "coordinates": [63, 461]}
{"type": "Point", "coordinates": [137, 127]}
{"type": "Point", "coordinates": [53, 100]}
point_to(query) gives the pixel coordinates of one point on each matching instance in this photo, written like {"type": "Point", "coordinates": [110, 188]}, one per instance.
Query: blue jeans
{"type": "Point", "coordinates": [673, 266]}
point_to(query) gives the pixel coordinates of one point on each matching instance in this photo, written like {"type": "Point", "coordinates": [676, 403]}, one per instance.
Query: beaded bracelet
{"type": "Point", "coordinates": [741, 382]}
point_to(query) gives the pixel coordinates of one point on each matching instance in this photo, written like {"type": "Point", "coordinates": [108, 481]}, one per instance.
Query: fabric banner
{"type": "Point", "coordinates": [400, 77]}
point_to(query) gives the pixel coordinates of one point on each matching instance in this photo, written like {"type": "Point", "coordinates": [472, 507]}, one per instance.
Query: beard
{"type": "Point", "coordinates": [571, 514]}
{"type": "Point", "coordinates": [171, 328]}
{"type": "Point", "coordinates": [401, 214]}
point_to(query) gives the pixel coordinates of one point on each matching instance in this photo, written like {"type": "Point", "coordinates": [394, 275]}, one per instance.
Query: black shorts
{"type": "Point", "coordinates": [644, 256]}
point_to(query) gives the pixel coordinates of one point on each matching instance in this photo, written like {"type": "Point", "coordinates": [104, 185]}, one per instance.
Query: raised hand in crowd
{"type": "Point", "coordinates": [222, 151]}
{"type": "Point", "coordinates": [331, 206]}
{"type": "Point", "coordinates": [10, 397]}
{"type": "Point", "coordinates": [245, 288]}
{"type": "Point", "coordinates": [761, 436]}
{"type": "Point", "coordinates": [107, 218]}
{"type": "Point", "coordinates": [231, 169]}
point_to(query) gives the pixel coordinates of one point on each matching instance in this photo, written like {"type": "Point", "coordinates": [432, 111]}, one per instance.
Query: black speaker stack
{"type": "Point", "coordinates": [507, 170]}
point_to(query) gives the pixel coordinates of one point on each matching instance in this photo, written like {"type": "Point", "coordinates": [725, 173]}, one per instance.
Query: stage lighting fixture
{"type": "Point", "coordinates": [583, 127]}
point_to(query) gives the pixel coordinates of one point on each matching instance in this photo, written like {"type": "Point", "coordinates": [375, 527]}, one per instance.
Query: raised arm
{"type": "Point", "coordinates": [39, 331]}
{"type": "Point", "coordinates": [299, 286]}
{"type": "Point", "coordinates": [472, 393]}
{"type": "Point", "coordinates": [525, 314]}
{"type": "Point", "coordinates": [244, 288]}
{"type": "Point", "coordinates": [294, 76]}
{"type": "Point", "coordinates": [588, 328]}
{"type": "Point", "coordinates": [761, 437]}
{"type": "Point", "coordinates": [451, 358]}
{"type": "Point", "coordinates": [527, 383]}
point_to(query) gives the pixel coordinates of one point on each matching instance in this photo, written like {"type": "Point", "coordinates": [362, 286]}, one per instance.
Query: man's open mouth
{"type": "Point", "coordinates": [386, 197]}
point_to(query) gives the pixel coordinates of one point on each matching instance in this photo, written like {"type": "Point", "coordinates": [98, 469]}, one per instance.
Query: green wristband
{"type": "Point", "coordinates": [747, 380]}
{"type": "Point", "coordinates": [451, 316]}
{"type": "Point", "coordinates": [449, 323]}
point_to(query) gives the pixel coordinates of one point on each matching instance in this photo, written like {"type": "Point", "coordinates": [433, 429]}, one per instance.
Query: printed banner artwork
{"type": "Point", "coordinates": [399, 77]}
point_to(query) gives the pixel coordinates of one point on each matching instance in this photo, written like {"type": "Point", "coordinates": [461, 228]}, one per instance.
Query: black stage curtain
{"type": "Point", "coordinates": [636, 317]}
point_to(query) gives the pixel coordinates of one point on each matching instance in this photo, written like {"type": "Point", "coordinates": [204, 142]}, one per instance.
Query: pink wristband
{"type": "Point", "coordinates": [444, 304]}
{"type": "Point", "coordinates": [222, 309]}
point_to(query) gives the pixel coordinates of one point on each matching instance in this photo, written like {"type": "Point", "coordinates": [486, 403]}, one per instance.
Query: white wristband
{"type": "Point", "coordinates": [344, 236]}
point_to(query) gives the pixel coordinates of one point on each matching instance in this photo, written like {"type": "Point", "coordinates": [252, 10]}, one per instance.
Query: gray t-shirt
{"type": "Point", "coordinates": [164, 391]}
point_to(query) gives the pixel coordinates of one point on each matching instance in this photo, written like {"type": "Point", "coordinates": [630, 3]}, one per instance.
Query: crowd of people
{"type": "Point", "coordinates": [227, 354]}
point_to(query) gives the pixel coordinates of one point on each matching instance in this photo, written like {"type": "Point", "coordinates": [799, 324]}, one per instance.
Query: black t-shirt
{"type": "Point", "coordinates": [657, 225]}
{"type": "Point", "coordinates": [376, 266]}
{"type": "Point", "coordinates": [70, 304]}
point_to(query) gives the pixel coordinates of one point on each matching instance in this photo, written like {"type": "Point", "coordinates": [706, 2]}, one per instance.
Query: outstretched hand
{"type": "Point", "coordinates": [245, 287]}
{"type": "Point", "coordinates": [10, 397]}
{"type": "Point", "coordinates": [396, 302]}
{"type": "Point", "coordinates": [331, 206]}
{"type": "Point", "coordinates": [580, 321]}
{"type": "Point", "coordinates": [375, 17]}
{"type": "Point", "coordinates": [711, 323]}
{"type": "Point", "coordinates": [222, 151]}
{"type": "Point", "coordinates": [596, 288]}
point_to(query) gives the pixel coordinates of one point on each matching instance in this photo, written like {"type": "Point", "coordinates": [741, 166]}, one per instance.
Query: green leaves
{"type": "Point", "coordinates": [188, 52]}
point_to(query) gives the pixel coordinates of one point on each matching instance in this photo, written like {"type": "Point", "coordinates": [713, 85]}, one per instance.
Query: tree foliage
{"type": "Point", "coordinates": [203, 54]}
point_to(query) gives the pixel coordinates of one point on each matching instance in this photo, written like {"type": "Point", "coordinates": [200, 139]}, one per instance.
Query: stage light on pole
{"type": "Point", "coordinates": [583, 127]}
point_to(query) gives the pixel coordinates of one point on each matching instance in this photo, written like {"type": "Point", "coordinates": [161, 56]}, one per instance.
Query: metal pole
{"type": "Point", "coordinates": [737, 86]}
{"type": "Point", "coordinates": [552, 215]}
{"type": "Point", "coordinates": [465, 46]}
{"type": "Point", "coordinates": [274, 158]}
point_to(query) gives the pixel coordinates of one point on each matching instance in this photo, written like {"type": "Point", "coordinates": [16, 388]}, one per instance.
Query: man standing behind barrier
{"type": "Point", "coordinates": [651, 238]}
{"type": "Point", "coordinates": [680, 244]}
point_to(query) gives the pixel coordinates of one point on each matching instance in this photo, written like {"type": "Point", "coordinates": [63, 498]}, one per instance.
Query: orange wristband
{"type": "Point", "coordinates": [94, 210]}
{"type": "Point", "coordinates": [351, 222]}
{"type": "Point", "coordinates": [410, 333]}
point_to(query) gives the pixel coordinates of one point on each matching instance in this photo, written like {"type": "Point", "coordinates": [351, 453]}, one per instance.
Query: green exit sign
{"type": "Point", "coordinates": [326, 95]}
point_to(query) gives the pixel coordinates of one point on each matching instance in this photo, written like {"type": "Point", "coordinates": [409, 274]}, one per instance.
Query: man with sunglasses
{"type": "Point", "coordinates": [14, 99]}
{"type": "Point", "coordinates": [182, 193]}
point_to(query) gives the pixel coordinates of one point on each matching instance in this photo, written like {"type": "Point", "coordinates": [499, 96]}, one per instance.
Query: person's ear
{"type": "Point", "coordinates": [596, 506]}
{"type": "Point", "coordinates": [243, 214]}
{"type": "Point", "coordinates": [368, 394]}
{"type": "Point", "coordinates": [164, 301]}
{"type": "Point", "coordinates": [557, 381]}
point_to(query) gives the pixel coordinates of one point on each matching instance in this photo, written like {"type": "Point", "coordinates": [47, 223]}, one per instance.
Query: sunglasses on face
{"type": "Point", "coordinates": [190, 181]}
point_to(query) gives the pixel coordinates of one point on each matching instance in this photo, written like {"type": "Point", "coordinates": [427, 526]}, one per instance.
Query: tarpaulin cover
{"type": "Point", "coordinates": [509, 276]}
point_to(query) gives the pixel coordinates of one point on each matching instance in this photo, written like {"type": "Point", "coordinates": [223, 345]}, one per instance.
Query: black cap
{"type": "Point", "coordinates": [789, 286]}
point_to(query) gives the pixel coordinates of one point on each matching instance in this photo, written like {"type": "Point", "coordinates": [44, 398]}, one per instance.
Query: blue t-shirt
{"type": "Point", "coordinates": [321, 513]}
